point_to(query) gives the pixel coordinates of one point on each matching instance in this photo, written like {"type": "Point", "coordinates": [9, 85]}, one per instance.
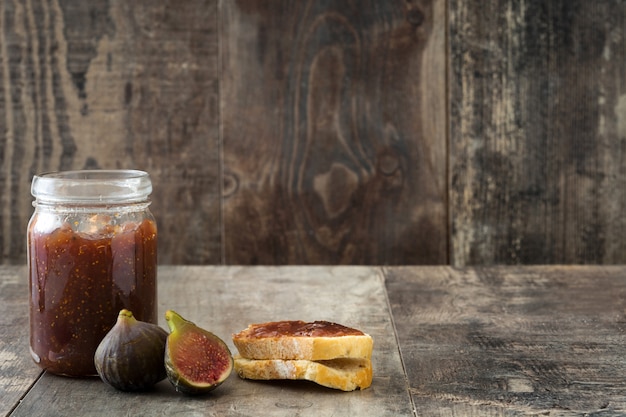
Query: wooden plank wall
{"type": "Point", "coordinates": [538, 131]}
{"type": "Point", "coordinates": [330, 132]}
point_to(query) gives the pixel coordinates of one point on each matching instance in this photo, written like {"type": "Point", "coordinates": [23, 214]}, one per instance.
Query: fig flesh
{"type": "Point", "coordinates": [130, 356]}
{"type": "Point", "coordinates": [196, 360]}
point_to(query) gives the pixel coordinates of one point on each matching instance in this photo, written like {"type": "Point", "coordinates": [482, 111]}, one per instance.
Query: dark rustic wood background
{"type": "Point", "coordinates": [330, 132]}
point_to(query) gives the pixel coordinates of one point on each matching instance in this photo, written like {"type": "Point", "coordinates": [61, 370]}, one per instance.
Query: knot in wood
{"type": "Point", "coordinates": [415, 17]}
{"type": "Point", "coordinates": [388, 164]}
{"type": "Point", "coordinates": [230, 184]}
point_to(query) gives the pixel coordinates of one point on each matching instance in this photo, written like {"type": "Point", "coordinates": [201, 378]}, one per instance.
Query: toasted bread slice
{"type": "Point", "coordinates": [313, 341]}
{"type": "Point", "coordinates": [343, 374]}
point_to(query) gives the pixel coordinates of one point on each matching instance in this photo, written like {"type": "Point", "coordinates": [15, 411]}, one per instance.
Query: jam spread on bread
{"type": "Point", "coordinates": [300, 328]}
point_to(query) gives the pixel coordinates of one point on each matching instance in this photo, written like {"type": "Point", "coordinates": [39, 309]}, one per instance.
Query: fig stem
{"type": "Point", "coordinates": [175, 321]}
{"type": "Point", "coordinates": [126, 316]}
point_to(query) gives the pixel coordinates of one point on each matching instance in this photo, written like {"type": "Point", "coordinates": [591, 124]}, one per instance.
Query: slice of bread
{"type": "Point", "coordinates": [344, 374]}
{"type": "Point", "coordinates": [298, 340]}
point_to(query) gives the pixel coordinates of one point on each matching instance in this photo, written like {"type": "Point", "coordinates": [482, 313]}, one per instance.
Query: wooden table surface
{"type": "Point", "coordinates": [543, 340]}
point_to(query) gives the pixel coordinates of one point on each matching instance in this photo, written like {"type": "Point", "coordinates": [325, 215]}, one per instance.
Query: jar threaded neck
{"type": "Point", "coordinates": [92, 187]}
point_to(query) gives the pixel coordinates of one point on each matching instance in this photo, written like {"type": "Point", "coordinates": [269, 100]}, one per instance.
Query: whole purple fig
{"type": "Point", "coordinates": [130, 357]}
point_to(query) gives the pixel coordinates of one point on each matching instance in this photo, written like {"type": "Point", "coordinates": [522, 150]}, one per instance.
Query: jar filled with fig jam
{"type": "Point", "coordinates": [92, 251]}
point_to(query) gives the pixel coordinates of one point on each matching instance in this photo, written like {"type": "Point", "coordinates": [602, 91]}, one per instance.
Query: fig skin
{"type": "Point", "coordinates": [130, 357]}
{"type": "Point", "coordinates": [196, 360]}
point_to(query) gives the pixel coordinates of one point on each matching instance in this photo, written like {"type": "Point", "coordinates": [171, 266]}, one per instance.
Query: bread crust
{"type": "Point", "coordinates": [253, 343]}
{"type": "Point", "coordinates": [343, 374]}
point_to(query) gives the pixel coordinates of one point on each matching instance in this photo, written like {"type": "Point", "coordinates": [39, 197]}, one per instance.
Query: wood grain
{"type": "Point", "coordinates": [17, 370]}
{"type": "Point", "coordinates": [173, 121]}
{"type": "Point", "coordinates": [334, 132]}
{"type": "Point", "coordinates": [113, 84]}
{"type": "Point", "coordinates": [312, 132]}
{"type": "Point", "coordinates": [512, 341]}
{"type": "Point", "coordinates": [538, 110]}
{"type": "Point", "coordinates": [220, 299]}
{"type": "Point", "coordinates": [487, 341]}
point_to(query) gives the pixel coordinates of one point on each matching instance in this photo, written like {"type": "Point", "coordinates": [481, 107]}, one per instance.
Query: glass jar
{"type": "Point", "coordinates": [92, 251]}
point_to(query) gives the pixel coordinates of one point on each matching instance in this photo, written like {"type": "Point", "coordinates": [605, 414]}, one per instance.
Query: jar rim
{"type": "Point", "coordinates": [92, 186]}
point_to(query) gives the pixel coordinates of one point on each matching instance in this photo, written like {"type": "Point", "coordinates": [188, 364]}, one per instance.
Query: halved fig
{"type": "Point", "coordinates": [130, 356]}
{"type": "Point", "coordinates": [196, 360]}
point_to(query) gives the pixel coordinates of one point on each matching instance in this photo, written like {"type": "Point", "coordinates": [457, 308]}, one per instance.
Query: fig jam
{"type": "Point", "coordinates": [88, 259]}
{"type": "Point", "coordinates": [302, 329]}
